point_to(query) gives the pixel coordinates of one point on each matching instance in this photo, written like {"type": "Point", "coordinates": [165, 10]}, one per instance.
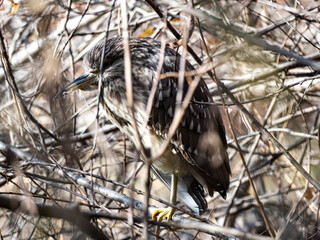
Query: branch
{"type": "Point", "coordinates": [250, 38]}
{"type": "Point", "coordinates": [69, 213]}
{"type": "Point", "coordinates": [262, 75]}
{"type": "Point", "coordinates": [82, 221]}
{"type": "Point", "coordinates": [179, 221]}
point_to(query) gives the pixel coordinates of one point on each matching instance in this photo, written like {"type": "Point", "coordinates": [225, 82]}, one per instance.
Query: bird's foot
{"type": "Point", "coordinates": [162, 213]}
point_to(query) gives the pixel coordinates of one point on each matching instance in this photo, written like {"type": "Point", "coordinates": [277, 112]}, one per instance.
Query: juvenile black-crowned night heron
{"type": "Point", "coordinates": [196, 156]}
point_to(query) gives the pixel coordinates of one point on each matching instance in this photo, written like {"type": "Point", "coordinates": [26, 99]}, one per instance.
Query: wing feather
{"type": "Point", "coordinates": [200, 137]}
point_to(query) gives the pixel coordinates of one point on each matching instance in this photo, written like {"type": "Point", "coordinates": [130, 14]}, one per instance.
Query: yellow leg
{"type": "Point", "coordinates": [167, 213]}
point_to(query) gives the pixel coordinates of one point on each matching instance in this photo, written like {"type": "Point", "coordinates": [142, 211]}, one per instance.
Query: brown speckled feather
{"type": "Point", "coordinates": [198, 149]}
{"type": "Point", "coordinates": [199, 133]}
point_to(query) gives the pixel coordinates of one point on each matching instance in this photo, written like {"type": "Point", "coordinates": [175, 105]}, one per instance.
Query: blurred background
{"type": "Point", "coordinates": [261, 51]}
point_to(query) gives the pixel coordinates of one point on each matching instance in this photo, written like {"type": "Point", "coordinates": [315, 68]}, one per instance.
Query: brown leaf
{"type": "Point", "coordinates": [14, 7]}
{"type": "Point", "coordinates": [147, 32]}
{"type": "Point", "coordinates": [308, 194]}
{"type": "Point", "coordinates": [175, 20]}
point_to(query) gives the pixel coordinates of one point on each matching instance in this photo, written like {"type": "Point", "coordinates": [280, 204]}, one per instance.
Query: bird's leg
{"type": "Point", "coordinates": [168, 212]}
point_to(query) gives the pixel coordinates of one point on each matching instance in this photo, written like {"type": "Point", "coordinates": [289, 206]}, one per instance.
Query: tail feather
{"type": "Point", "coordinates": [197, 193]}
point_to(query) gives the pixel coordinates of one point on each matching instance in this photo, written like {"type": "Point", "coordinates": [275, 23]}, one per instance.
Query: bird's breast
{"type": "Point", "coordinates": [119, 114]}
{"type": "Point", "coordinates": [169, 161]}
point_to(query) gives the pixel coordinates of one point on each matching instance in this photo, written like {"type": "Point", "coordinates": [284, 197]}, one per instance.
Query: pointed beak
{"type": "Point", "coordinates": [82, 82]}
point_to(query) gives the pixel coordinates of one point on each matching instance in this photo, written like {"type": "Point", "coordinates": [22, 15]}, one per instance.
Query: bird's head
{"type": "Point", "coordinates": [92, 60]}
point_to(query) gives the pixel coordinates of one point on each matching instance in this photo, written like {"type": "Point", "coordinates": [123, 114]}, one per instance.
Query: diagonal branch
{"type": "Point", "coordinates": [179, 221]}
{"type": "Point", "coordinates": [69, 213]}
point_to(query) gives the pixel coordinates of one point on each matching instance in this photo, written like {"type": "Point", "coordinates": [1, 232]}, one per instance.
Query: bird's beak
{"type": "Point", "coordinates": [81, 82]}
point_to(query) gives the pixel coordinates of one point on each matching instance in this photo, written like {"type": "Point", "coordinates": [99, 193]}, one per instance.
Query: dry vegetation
{"type": "Point", "coordinates": [65, 170]}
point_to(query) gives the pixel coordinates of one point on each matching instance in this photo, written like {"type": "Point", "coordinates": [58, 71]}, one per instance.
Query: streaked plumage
{"type": "Point", "coordinates": [197, 152]}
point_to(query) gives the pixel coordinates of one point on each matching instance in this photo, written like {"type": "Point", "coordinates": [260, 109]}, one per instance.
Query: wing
{"type": "Point", "coordinates": [200, 138]}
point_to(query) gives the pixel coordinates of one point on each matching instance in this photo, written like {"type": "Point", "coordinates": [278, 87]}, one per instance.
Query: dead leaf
{"type": "Point", "coordinates": [175, 20]}
{"type": "Point", "coordinates": [308, 194]}
{"type": "Point", "coordinates": [147, 32]}
{"type": "Point", "coordinates": [14, 7]}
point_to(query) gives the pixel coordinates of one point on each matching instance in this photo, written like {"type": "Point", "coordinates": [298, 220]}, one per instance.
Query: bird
{"type": "Point", "coordinates": [195, 161]}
